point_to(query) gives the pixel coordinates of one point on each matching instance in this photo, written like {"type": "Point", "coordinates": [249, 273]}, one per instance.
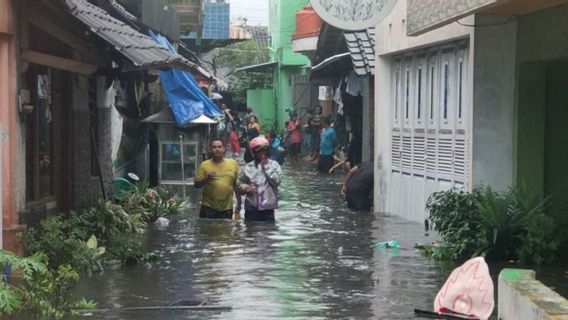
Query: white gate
{"type": "Point", "coordinates": [430, 148]}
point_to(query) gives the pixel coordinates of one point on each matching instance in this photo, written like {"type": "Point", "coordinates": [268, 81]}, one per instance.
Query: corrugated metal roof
{"type": "Point", "coordinates": [361, 45]}
{"type": "Point", "coordinates": [330, 60]}
{"type": "Point", "coordinates": [137, 47]}
{"type": "Point", "coordinates": [267, 66]}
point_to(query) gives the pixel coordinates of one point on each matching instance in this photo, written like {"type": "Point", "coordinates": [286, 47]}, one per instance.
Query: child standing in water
{"type": "Point", "coordinates": [235, 144]}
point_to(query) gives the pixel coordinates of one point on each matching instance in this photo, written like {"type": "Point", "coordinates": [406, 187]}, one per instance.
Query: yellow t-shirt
{"type": "Point", "coordinates": [218, 192]}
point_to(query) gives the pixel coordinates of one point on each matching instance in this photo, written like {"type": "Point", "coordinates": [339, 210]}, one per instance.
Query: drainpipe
{"type": "Point", "coordinates": [276, 86]}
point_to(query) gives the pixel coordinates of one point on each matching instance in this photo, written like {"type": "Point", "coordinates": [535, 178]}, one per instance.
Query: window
{"type": "Point", "coordinates": [445, 87]}
{"type": "Point", "coordinates": [460, 88]}
{"type": "Point", "coordinates": [40, 159]}
{"type": "Point", "coordinates": [171, 165]}
{"type": "Point", "coordinates": [432, 69]}
{"type": "Point", "coordinates": [419, 94]}
{"type": "Point", "coordinates": [407, 94]}
{"type": "Point", "coordinates": [396, 95]}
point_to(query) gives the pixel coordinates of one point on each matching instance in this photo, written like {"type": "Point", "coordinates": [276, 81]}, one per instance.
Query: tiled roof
{"type": "Point", "coordinates": [119, 8]}
{"type": "Point", "coordinates": [361, 45]}
{"type": "Point", "coordinates": [137, 47]}
{"type": "Point", "coordinates": [259, 34]}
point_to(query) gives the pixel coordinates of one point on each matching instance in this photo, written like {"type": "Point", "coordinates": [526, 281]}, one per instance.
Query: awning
{"type": "Point", "coordinates": [361, 45]}
{"type": "Point", "coordinates": [426, 15]}
{"type": "Point", "coordinates": [135, 46]}
{"type": "Point", "coordinates": [167, 117]}
{"type": "Point", "coordinates": [330, 60]}
{"type": "Point", "coordinates": [187, 101]}
{"type": "Point", "coordinates": [267, 66]}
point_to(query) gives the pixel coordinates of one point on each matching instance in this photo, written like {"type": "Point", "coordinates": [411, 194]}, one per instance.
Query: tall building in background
{"type": "Point", "coordinates": [189, 13]}
{"type": "Point", "coordinates": [216, 21]}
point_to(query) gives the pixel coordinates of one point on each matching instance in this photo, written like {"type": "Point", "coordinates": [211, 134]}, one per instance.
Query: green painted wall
{"type": "Point", "coordinates": [282, 24]}
{"type": "Point", "coordinates": [282, 19]}
{"type": "Point", "coordinates": [262, 102]}
{"type": "Point", "coordinates": [542, 105]}
{"type": "Point", "coordinates": [556, 139]}
{"type": "Point", "coordinates": [531, 121]}
{"type": "Point", "coordinates": [542, 35]}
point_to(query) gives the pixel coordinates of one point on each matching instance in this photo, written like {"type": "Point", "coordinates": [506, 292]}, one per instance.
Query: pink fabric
{"type": "Point", "coordinates": [295, 131]}
{"type": "Point", "coordinates": [468, 290]}
{"type": "Point", "coordinates": [235, 144]}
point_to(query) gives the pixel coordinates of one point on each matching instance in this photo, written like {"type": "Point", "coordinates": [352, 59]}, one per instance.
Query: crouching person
{"type": "Point", "coordinates": [358, 187]}
{"type": "Point", "coordinates": [259, 181]}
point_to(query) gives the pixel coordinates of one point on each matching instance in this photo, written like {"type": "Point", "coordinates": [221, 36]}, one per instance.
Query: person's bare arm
{"type": "Point", "coordinates": [228, 113]}
{"type": "Point", "coordinates": [340, 163]}
{"type": "Point", "coordinates": [238, 195]}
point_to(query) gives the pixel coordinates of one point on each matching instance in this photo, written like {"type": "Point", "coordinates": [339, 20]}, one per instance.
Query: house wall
{"type": "Point", "coordinates": [262, 102]}
{"type": "Point", "coordinates": [86, 188]}
{"type": "Point", "coordinates": [282, 24]}
{"type": "Point", "coordinates": [494, 71]}
{"type": "Point", "coordinates": [391, 39]}
{"type": "Point", "coordinates": [285, 95]}
{"type": "Point", "coordinates": [542, 54]}
{"type": "Point", "coordinates": [368, 138]}
{"type": "Point", "coordinates": [556, 139]}
{"type": "Point", "coordinates": [10, 137]}
{"type": "Point", "coordinates": [531, 124]}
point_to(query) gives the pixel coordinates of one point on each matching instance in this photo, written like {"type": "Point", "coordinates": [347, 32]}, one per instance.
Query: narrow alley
{"type": "Point", "coordinates": [314, 262]}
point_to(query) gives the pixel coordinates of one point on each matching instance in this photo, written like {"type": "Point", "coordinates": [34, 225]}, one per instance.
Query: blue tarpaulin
{"type": "Point", "coordinates": [186, 99]}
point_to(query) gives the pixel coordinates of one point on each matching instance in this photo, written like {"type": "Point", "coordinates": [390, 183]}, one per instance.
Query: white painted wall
{"type": "Point", "coordinates": [521, 297]}
{"type": "Point", "coordinates": [391, 40]}
{"type": "Point", "coordinates": [494, 76]}
{"type": "Point", "coordinates": [391, 33]}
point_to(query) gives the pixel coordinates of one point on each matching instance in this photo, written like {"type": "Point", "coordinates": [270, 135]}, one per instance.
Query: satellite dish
{"type": "Point", "coordinates": [353, 15]}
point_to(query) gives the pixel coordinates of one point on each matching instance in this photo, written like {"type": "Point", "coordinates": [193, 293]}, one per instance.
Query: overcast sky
{"type": "Point", "coordinates": [255, 11]}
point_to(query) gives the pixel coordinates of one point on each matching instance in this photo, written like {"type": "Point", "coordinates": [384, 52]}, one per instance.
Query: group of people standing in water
{"type": "Point", "coordinates": [258, 180]}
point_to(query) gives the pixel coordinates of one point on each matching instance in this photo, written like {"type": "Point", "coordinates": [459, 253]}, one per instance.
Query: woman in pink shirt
{"type": "Point", "coordinates": [295, 138]}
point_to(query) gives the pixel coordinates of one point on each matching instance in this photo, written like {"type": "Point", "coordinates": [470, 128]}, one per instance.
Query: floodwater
{"type": "Point", "coordinates": [314, 262]}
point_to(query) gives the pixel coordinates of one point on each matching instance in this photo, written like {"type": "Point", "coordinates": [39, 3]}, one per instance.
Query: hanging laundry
{"type": "Point", "coordinates": [354, 84]}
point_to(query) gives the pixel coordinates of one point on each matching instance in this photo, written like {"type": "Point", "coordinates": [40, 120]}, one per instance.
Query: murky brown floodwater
{"type": "Point", "coordinates": [315, 262]}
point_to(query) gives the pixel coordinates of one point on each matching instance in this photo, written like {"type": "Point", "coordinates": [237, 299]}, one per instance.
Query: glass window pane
{"type": "Point", "coordinates": [170, 152]}
{"type": "Point", "coordinates": [45, 148]}
{"type": "Point", "coordinates": [407, 94]}
{"type": "Point", "coordinates": [419, 95]}
{"type": "Point", "coordinates": [171, 171]}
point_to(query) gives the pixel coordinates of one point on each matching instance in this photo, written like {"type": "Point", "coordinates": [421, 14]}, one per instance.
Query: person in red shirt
{"type": "Point", "coordinates": [294, 138]}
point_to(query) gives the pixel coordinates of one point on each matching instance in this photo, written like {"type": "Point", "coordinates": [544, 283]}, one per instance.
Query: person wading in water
{"type": "Point", "coordinates": [218, 178]}
{"type": "Point", "coordinates": [259, 181]}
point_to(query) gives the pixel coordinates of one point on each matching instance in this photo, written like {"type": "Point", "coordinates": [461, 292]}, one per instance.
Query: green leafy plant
{"type": "Point", "coordinates": [512, 225]}
{"type": "Point", "coordinates": [150, 204]}
{"type": "Point", "coordinates": [63, 244]}
{"type": "Point", "coordinates": [107, 220]}
{"type": "Point", "coordinates": [128, 250]}
{"type": "Point", "coordinates": [42, 291]}
{"type": "Point", "coordinates": [453, 214]}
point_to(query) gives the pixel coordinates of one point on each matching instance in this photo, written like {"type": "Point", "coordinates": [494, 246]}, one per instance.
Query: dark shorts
{"type": "Point", "coordinates": [263, 215]}
{"type": "Point", "coordinates": [208, 213]}
{"type": "Point", "coordinates": [325, 163]}
{"type": "Point", "coordinates": [294, 149]}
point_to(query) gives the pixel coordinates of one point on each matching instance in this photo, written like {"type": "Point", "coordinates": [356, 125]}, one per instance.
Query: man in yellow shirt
{"type": "Point", "coordinates": [218, 178]}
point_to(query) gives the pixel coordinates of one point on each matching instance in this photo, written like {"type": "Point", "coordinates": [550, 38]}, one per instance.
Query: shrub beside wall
{"type": "Point", "coordinates": [515, 225]}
